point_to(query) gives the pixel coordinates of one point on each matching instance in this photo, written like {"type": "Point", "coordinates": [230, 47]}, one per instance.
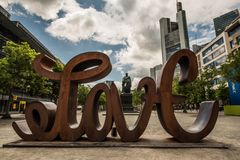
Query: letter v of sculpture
{"type": "Point", "coordinates": [45, 121]}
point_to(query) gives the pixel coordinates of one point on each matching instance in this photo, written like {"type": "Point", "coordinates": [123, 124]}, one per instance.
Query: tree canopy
{"type": "Point", "coordinates": [231, 69]}
{"type": "Point", "coordinates": [82, 93]}
{"type": "Point", "coordinates": [16, 72]}
{"type": "Point", "coordinates": [137, 97]}
{"type": "Point", "coordinates": [201, 89]}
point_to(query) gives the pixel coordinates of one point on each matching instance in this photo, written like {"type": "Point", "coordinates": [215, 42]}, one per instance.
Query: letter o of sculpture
{"type": "Point", "coordinates": [94, 130]}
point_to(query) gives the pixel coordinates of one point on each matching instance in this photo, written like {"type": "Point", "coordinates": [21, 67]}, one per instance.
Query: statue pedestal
{"type": "Point", "coordinates": [126, 99]}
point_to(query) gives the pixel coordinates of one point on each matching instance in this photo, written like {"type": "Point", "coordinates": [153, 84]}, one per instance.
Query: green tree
{"type": "Point", "coordinates": [58, 67]}
{"type": "Point", "coordinates": [207, 77]}
{"type": "Point", "coordinates": [137, 97]}
{"type": "Point", "coordinates": [231, 69]}
{"type": "Point", "coordinates": [222, 92]}
{"type": "Point", "coordinates": [102, 99]}
{"type": "Point", "coordinates": [16, 71]}
{"type": "Point", "coordinates": [193, 91]}
{"type": "Point", "coordinates": [82, 93]}
{"type": "Point", "coordinates": [5, 77]}
{"type": "Point", "coordinates": [197, 91]}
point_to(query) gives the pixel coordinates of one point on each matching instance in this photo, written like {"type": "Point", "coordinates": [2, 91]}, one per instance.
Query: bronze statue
{"type": "Point", "coordinates": [126, 84]}
{"type": "Point", "coordinates": [46, 121]}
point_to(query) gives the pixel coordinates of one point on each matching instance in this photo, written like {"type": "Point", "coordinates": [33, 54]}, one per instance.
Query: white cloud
{"type": "Point", "coordinates": [88, 24]}
{"type": "Point", "coordinates": [118, 84]}
{"type": "Point", "coordinates": [203, 11]}
{"type": "Point", "coordinates": [47, 10]}
{"type": "Point", "coordinates": [16, 12]}
{"type": "Point", "coordinates": [193, 27]}
{"type": "Point", "coordinates": [92, 84]}
{"type": "Point", "coordinates": [44, 8]}
{"type": "Point", "coordinates": [4, 4]}
{"type": "Point", "coordinates": [135, 82]}
{"type": "Point", "coordinates": [133, 23]}
{"type": "Point", "coordinates": [204, 33]}
{"type": "Point", "coordinates": [107, 52]}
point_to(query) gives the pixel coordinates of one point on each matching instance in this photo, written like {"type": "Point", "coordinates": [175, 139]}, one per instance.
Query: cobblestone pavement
{"type": "Point", "coordinates": [227, 130]}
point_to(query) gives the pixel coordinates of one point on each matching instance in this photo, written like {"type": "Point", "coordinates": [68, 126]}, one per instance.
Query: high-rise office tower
{"type": "Point", "coordinates": [221, 22]}
{"type": "Point", "coordinates": [174, 35]}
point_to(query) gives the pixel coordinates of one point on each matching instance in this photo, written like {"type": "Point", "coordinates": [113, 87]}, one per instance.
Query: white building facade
{"type": "Point", "coordinates": [215, 53]}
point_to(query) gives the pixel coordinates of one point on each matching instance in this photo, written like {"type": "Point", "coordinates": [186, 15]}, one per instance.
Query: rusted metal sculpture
{"type": "Point", "coordinates": [46, 121]}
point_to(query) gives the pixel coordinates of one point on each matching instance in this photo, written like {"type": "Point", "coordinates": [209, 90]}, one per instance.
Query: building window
{"type": "Point", "coordinates": [232, 45]}
{"type": "Point", "coordinates": [219, 52]}
{"type": "Point", "coordinates": [222, 49]}
{"type": "Point", "coordinates": [220, 61]}
{"type": "Point", "coordinates": [238, 40]}
{"type": "Point", "coordinates": [207, 59]}
{"type": "Point", "coordinates": [173, 48]}
{"type": "Point", "coordinates": [217, 43]}
{"type": "Point", "coordinates": [210, 65]}
{"type": "Point", "coordinates": [213, 46]}
{"type": "Point", "coordinates": [234, 30]}
{"type": "Point", "coordinates": [216, 54]}
{"type": "Point", "coordinates": [205, 52]}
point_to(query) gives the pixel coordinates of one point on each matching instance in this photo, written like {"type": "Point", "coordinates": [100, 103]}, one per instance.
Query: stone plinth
{"type": "Point", "coordinates": [126, 99]}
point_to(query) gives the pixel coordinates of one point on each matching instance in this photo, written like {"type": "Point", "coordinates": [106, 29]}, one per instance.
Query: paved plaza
{"type": "Point", "coordinates": [227, 130]}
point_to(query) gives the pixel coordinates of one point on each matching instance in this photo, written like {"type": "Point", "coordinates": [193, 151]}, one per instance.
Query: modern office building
{"type": "Point", "coordinates": [221, 22]}
{"type": "Point", "coordinates": [233, 35]}
{"type": "Point", "coordinates": [174, 35]}
{"type": "Point", "coordinates": [155, 72]}
{"type": "Point", "coordinates": [196, 48]}
{"type": "Point", "coordinates": [214, 54]}
{"type": "Point", "coordinates": [16, 32]}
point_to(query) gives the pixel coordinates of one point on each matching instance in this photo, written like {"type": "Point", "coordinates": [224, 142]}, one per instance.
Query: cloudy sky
{"type": "Point", "coordinates": [126, 30]}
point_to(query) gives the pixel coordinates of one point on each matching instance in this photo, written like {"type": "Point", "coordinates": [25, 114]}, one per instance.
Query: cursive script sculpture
{"type": "Point", "coordinates": [46, 121]}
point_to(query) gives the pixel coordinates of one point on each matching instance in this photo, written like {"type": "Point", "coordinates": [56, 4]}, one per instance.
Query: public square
{"type": "Point", "coordinates": [60, 51]}
{"type": "Point", "coordinates": [226, 130]}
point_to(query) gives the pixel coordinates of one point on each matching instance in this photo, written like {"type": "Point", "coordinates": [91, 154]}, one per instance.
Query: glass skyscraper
{"type": "Point", "coordinates": [221, 22]}
{"type": "Point", "coordinates": [174, 35]}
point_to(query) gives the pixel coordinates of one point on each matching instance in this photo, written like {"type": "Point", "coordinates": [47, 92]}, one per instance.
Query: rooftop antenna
{"type": "Point", "coordinates": [179, 6]}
